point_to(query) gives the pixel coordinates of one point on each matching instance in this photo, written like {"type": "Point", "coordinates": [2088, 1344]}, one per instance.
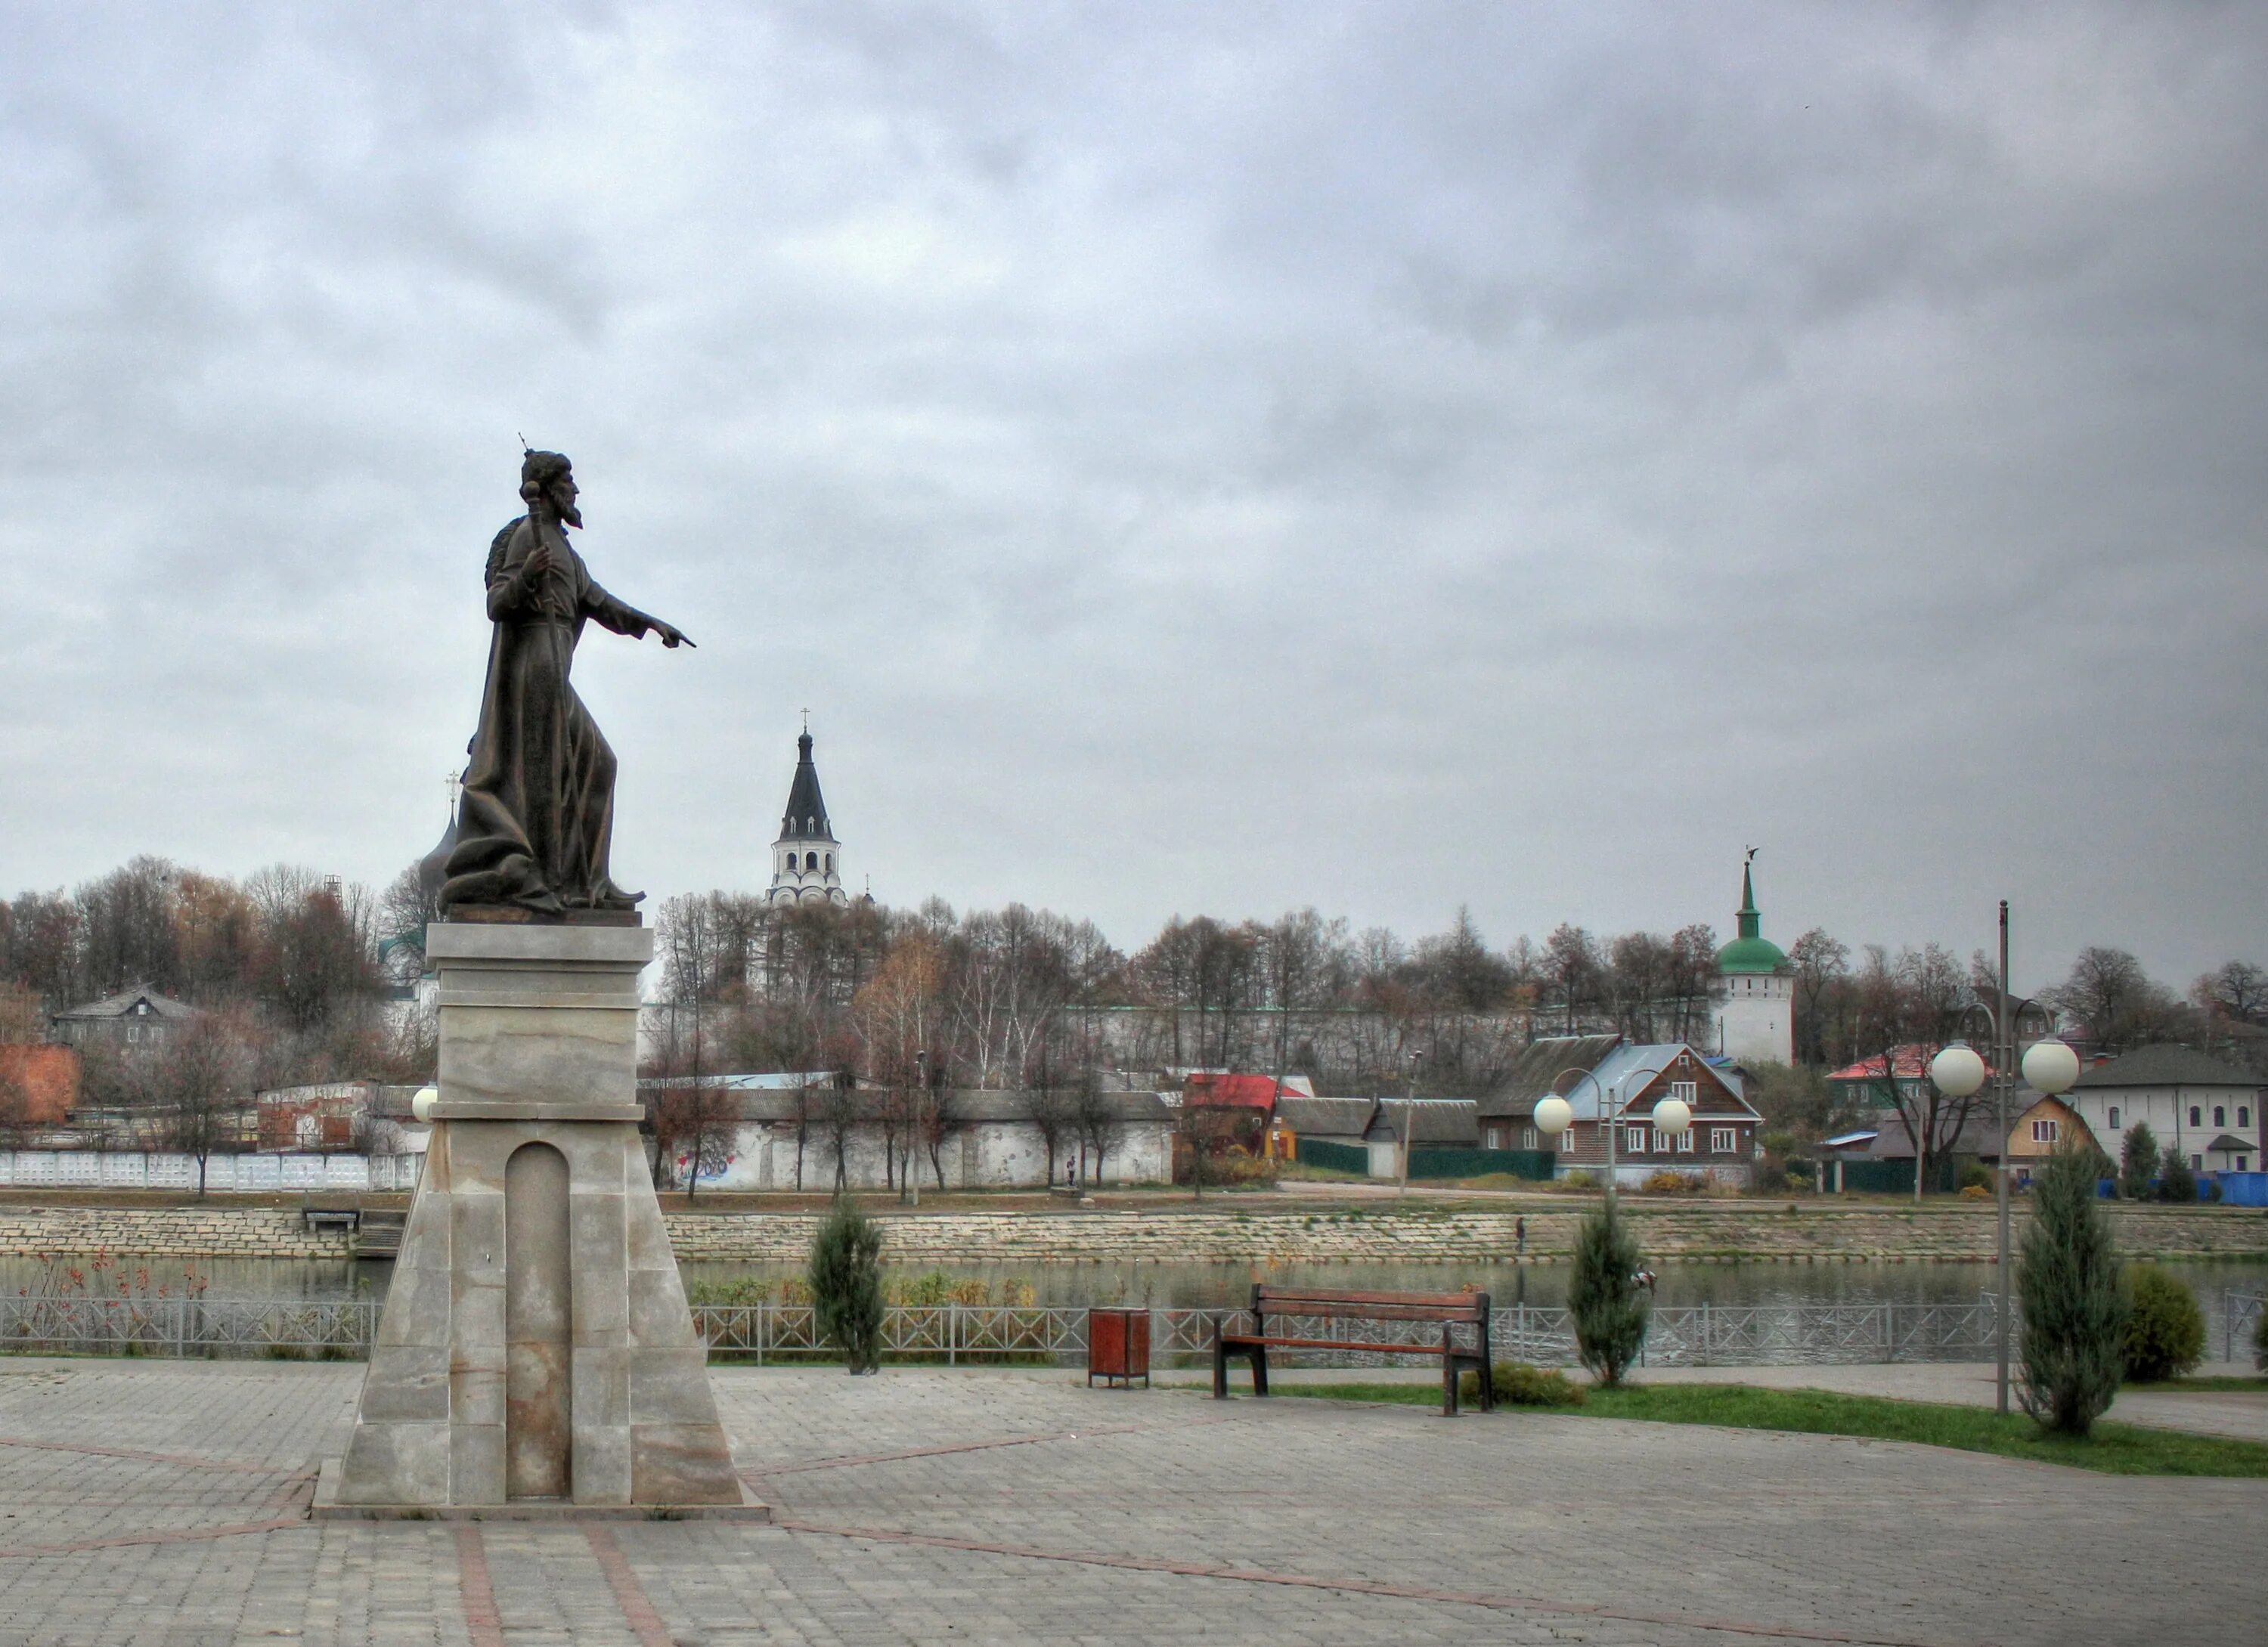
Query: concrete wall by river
{"type": "Point", "coordinates": [1225, 1229]}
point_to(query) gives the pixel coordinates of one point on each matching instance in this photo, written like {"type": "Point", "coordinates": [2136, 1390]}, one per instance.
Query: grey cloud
{"type": "Point", "coordinates": [1187, 456]}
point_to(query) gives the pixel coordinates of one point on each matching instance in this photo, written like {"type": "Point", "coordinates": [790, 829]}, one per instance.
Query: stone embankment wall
{"type": "Point", "coordinates": [1745, 1232]}
{"type": "Point", "coordinates": [214, 1230]}
{"type": "Point", "coordinates": [1219, 1232]}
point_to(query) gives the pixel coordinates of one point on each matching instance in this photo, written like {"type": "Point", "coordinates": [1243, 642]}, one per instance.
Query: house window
{"type": "Point", "coordinates": [2244, 1114]}
{"type": "Point", "coordinates": [1720, 1140]}
{"type": "Point", "coordinates": [1661, 1144]}
{"type": "Point", "coordinates": [1491, 1138]}
{"type": "Point", "coordinates": [1634, 1140]}
{"type": "Point", "coordinates": [1685, 1141]}
{"type": "Point", "coordinates": [1528, 1137]}
{"type": "Point", "coordinates": [2241, 1161]}
{"type": "Point", "coordinates": [1685, 1092]}
{"type": "Point", "coordinates": [2197, 1163]}
{"type": "Point", "coordinates": [2195, 1114]}
{"type": "Point", "coordinates": [830, 862]}
{"type": "Point", "coordinates": [2114, 1117]}
{"type": "Point", "coordinates": [2043, 1132]}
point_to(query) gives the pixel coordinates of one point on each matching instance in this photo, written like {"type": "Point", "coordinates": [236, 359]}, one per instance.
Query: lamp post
{"type": "Point", "coordinates": [1555, 1114]}
{"type": "Point", "coordinates": [2051, 1067]}
{"type": "Point", "coordinates": [1408, 1122]}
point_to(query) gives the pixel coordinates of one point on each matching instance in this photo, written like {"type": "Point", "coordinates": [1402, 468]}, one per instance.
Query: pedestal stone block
{"type": "Point", "coordinates": [464, 1392]}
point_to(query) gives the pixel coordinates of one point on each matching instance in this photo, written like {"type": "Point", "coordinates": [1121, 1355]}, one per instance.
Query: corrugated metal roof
{"type": "Point", "coordinates": [1538, 1066]}
{"type": "Point", "coordinates": [1453, 1121]}
{"type": "Point", "coordinates": [1326, 1117]}
{"type": "Point", "coordinates": [125, 1001]}
{"type": "Point", "coordinates": [2167, 1066]}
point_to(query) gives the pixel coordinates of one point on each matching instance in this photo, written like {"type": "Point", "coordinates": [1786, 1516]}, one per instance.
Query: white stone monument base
{"type": "Point", "coordinates": [536, 1357]}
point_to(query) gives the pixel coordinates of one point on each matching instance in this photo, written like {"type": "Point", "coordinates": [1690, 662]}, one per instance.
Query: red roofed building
{"type": "Point", "coordinates": [1863, 1085]}
{"type": "Point", "coordinates": [1209, 1090]}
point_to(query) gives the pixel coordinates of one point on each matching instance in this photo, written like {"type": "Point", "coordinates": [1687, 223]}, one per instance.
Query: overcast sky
{"type": "Point", "coordinates": [1212, 458]}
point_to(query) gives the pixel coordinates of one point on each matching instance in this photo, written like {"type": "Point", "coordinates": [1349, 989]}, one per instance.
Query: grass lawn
{"type": "Point", "coordinates": [2114, 1449]}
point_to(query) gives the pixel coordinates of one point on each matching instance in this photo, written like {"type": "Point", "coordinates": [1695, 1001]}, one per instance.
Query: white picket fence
{"type": "Point", "coordinates": [166, 1169]}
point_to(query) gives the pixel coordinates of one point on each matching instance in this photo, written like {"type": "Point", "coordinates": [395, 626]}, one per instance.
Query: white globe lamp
{"type": "Point", "coordinates": [1958, 1071]}
{"type": "Point", "coordinates": [1673, 1116]}
{"type": "Point", "coordinates": [421, 1106]}
{"type": "Point", "coordinates": [1553, 1116]}
{"type": "Point", "coordinates": [2050, 1066]}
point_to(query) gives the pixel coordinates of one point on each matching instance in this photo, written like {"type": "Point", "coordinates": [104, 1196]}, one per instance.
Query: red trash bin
{"type": "Point", "coordinates": [1118, 1345]}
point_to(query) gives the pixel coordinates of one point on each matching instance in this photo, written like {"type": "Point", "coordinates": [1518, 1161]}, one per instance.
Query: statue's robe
{"type": "Point", "coordinates": [537, 817]}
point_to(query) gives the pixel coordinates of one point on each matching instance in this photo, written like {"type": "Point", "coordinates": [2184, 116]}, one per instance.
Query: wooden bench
{"type": "Point", "coordinates": [1452, 1310]}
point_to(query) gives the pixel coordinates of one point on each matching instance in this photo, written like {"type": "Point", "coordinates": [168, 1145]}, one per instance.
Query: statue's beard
{"type": "Point", "coordinates": [572, 515]}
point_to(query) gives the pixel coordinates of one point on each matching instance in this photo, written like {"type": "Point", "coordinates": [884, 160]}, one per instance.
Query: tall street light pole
{"type": "Point", "coordinates": [1408, 1122]}
{"type": "Point", "coordinates": [2049, 1067]}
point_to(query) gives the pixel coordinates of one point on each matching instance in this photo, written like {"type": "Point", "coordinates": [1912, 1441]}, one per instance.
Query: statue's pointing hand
{"type": "Point", "coordinates": [672, 637]}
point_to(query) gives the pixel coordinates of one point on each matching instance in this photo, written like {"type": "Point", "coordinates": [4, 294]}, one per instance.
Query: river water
{"type": "Point", "coordinates": [1203, 1285]}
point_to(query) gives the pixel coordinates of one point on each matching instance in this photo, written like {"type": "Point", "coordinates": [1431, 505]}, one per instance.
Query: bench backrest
{"type": "Point", "coordinates": [1370, 1306]}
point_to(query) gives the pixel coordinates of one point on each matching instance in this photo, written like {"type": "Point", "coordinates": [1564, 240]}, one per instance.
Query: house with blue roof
{"type": "Point", "coordinates": [1613, 1085]}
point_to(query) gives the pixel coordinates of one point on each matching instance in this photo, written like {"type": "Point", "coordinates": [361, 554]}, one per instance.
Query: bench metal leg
{"type": "Point", "coordinates": [1219, 1363]}
{"type": "Point", "coordinates": [1260, 1368]}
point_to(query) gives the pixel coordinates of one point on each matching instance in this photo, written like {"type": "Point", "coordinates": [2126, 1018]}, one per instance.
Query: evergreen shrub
{"type": "Point", "coordinates": [2138, 1162]}
{"type": "Point", "coordinates": [2067, 1286]}
{"type": "Point", "coordinates": [1603, 1294]}
{"type": "Point", "coordinates": [2165, 1329]}
{"type": "Point", "coordinates": [846, 1284]}
{"type": "Point", "coordinates": [2175, 1182]}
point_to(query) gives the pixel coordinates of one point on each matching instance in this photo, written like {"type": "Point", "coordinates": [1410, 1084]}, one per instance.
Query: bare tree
{"type": "Point", "coordinates": [197, 1083]}
{"type": "Point", "coordinates": [1096, 1118]}
{"type": "Point", "coordinates": [1571, 966]}
{"type": "Point", "coordinates": [1047, 1104]}
{"type": "Point", "coordinates": [839, 1114]}
{"type": "Point", "coordinates": [2108, 991]}
{"type": "Point", "coordinates": [2237, 989]}
{"type": "Point", "coordinates": [1822, 968]}
{"type": "Point", "coordinates": [1909, 1008]}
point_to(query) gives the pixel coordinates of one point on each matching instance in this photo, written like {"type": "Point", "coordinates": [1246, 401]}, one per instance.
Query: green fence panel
{"type": "Point", "coordinates": [1892, 1177]}
{"type": "Point", "coordinates": [1338, 1158]}
{"type": "Point", "coordinates": [1451, 1163]}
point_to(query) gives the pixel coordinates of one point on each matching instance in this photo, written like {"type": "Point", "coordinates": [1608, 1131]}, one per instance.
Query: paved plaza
{"type": "Point", "coordinates": [165, 1504]}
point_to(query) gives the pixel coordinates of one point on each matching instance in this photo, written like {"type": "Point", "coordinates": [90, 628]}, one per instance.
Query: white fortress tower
{"type": "Point", "coordinates": [1756, 1004]}
{"type": "Point", "coordinates": [806, 859]}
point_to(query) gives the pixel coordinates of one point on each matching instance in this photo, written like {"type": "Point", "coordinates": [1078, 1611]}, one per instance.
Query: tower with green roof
{"type": "Point", "coordinates": [1755, 1016]}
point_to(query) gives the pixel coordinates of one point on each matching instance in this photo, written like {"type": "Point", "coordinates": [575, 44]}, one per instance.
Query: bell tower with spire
{"type": "Point", "coordinates": [806, 859]}
{"type": "Point", "coordinates": [1756, 988]}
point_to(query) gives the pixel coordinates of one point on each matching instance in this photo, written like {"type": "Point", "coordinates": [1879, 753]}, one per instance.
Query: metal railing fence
{"type": "Point", "coordinates": [2239, 1320]}
{"type": "Point", "coordinates": [1702, 1334]}
{"type": "Point", "coordinates": [335, 1329]}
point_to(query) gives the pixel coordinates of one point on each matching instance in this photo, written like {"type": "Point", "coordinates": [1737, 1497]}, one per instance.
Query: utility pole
{"type": "Point", "coordinates": [1408, 1122]}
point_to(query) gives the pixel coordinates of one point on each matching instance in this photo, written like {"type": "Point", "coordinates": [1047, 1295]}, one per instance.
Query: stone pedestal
{"type": "Point", "coordinates": [536, 1356]}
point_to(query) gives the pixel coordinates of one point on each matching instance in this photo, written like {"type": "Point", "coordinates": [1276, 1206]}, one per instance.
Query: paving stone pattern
{"type": "Point", "coordinates": [162, 1502]}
